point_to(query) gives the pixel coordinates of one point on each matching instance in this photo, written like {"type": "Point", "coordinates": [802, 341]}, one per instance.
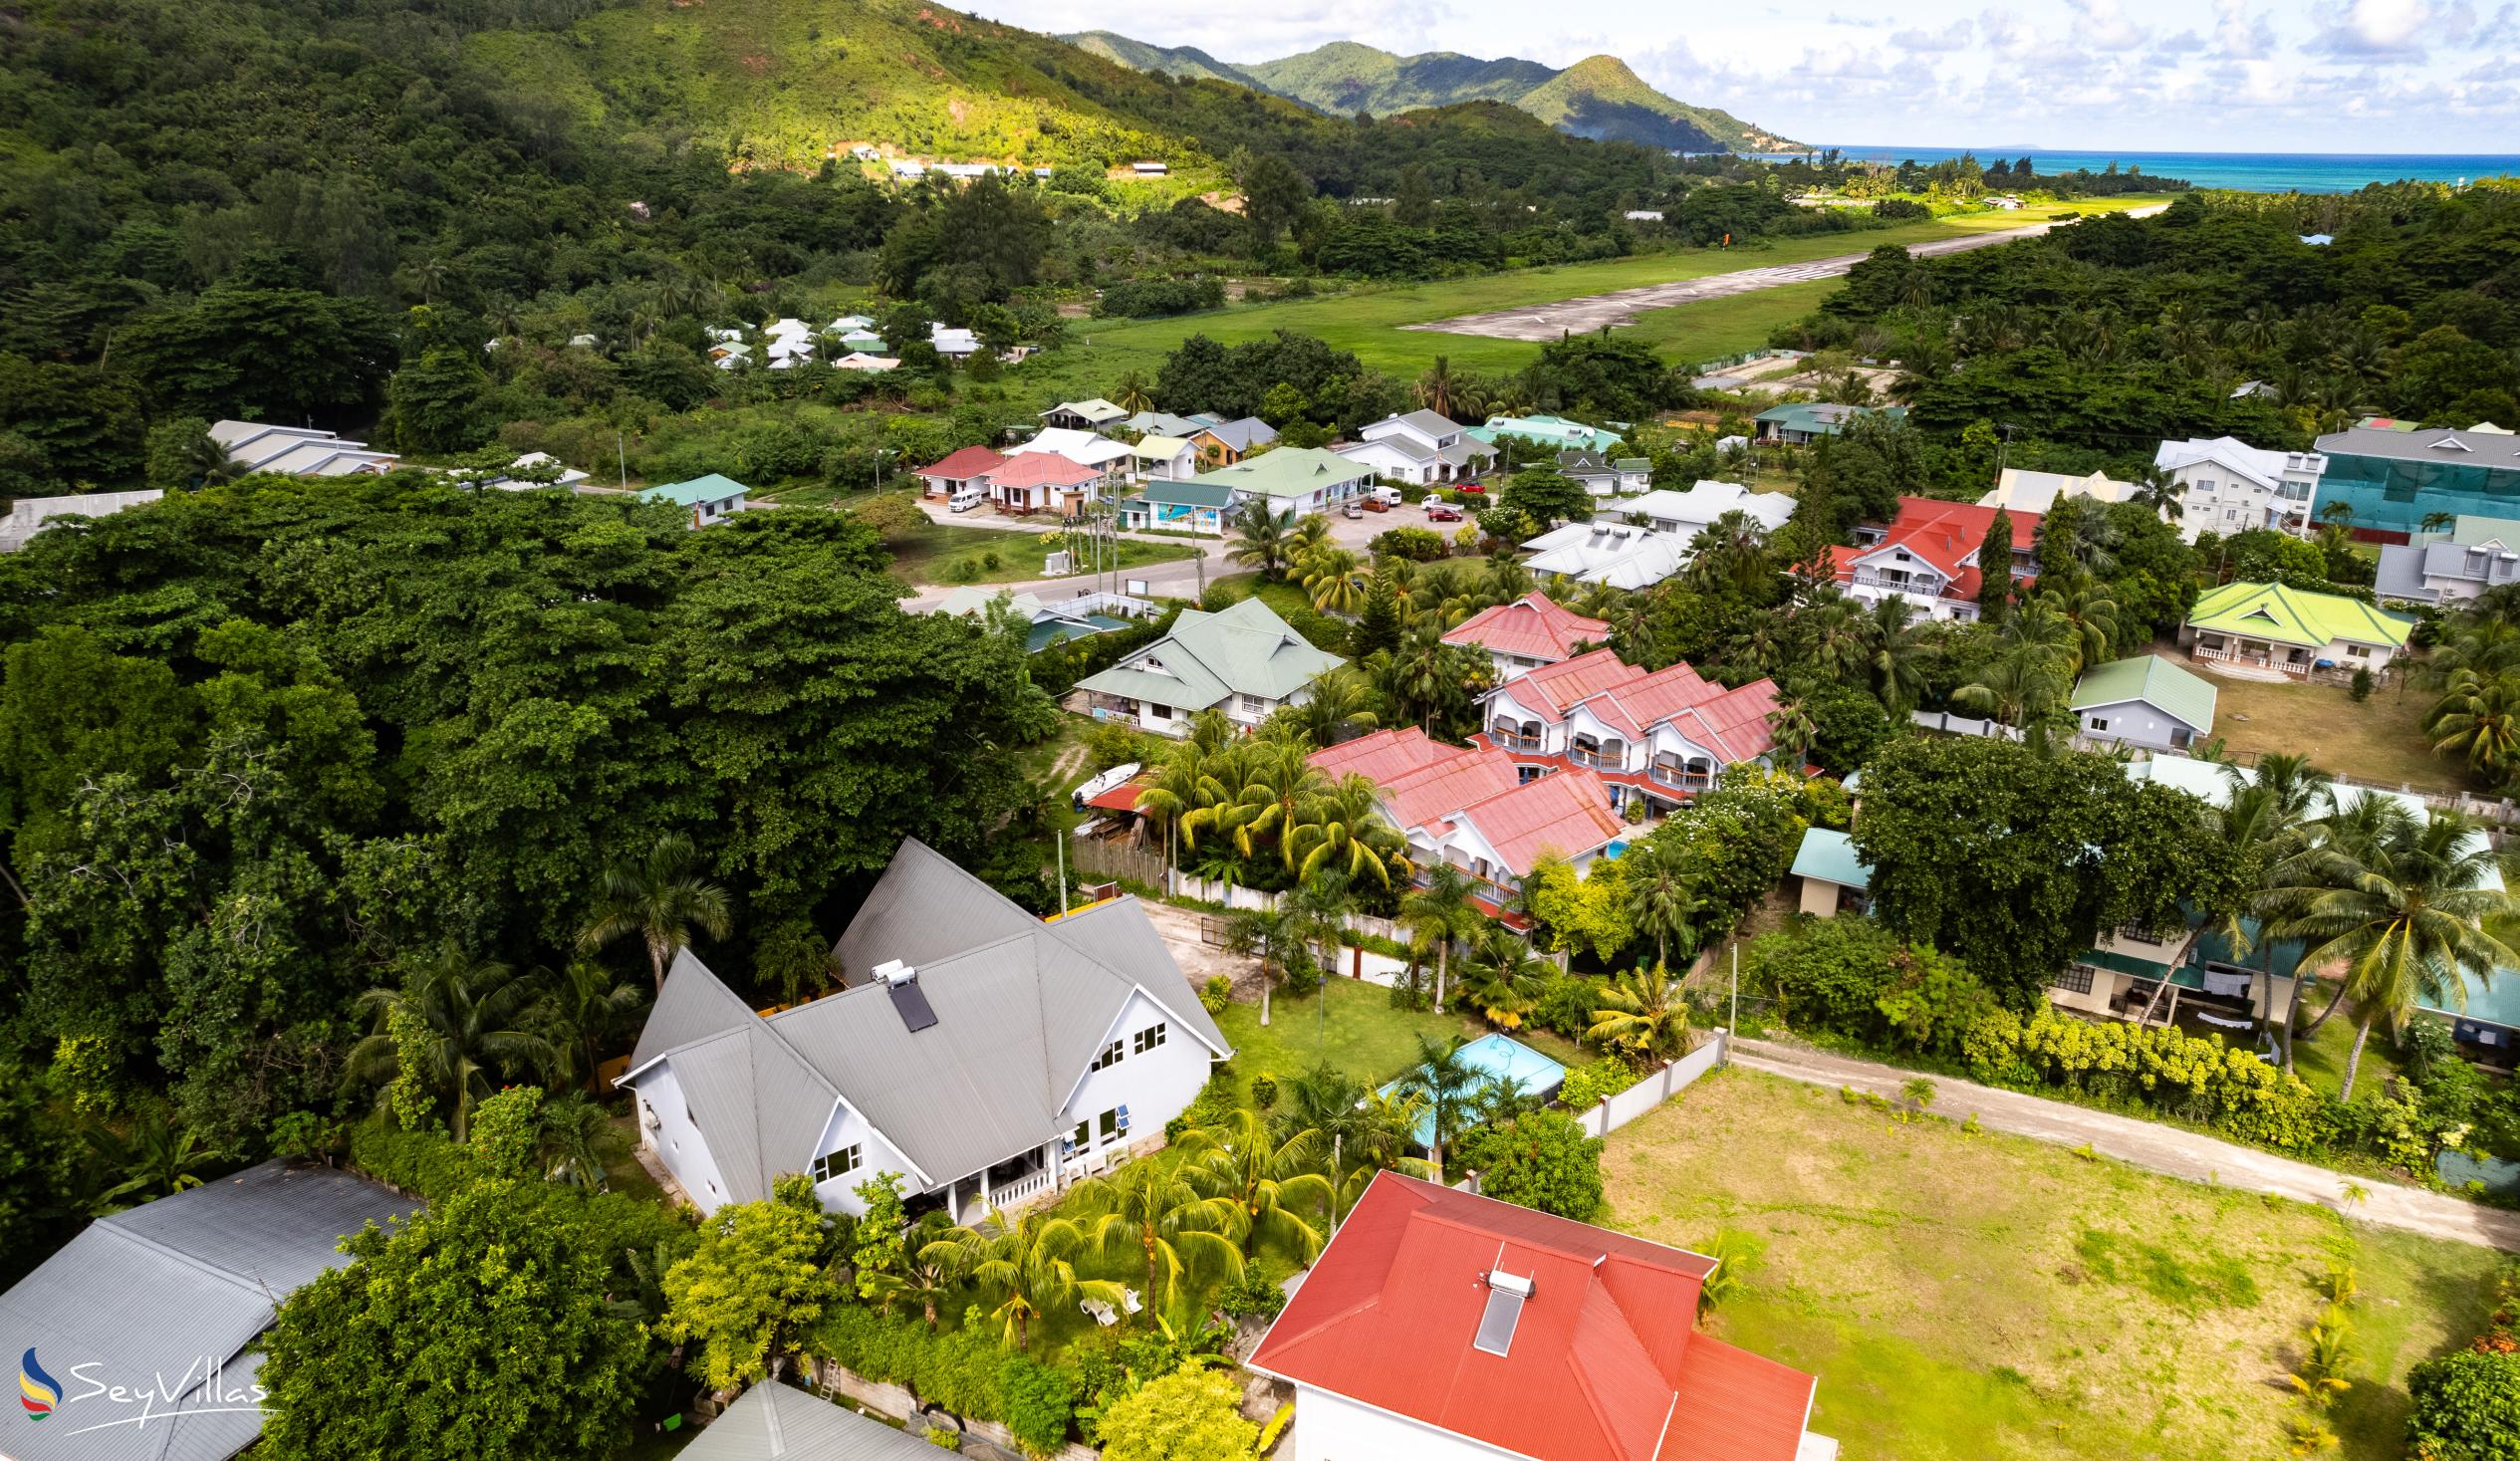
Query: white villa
{"type": "Point", "coordinates": [1927, 555]}
{"type": "Point", "coordinates": [987, 1057]}
{"type": "Point", "coordinates": [1243, 660]}
{"type": "Point", "coordinates": [297, 451]}
{"type": "Point", "coordinates": [1657, 736]}
{"type": "Point", "coordinates": [1689, 513]}
{"type": "Point", "coordinates": [1420, 448]}
{"type": "Point", "coordinates": [1605, 553]}
{"type": "Point", "coordinates": [2227, 486]}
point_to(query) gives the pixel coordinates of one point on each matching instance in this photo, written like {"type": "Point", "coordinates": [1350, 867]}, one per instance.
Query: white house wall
{"type": "Point", "coordinates": [1156, 1086]}
{"type": "Point", "coordinates": [1335, 1428]}
{"type": "Point", "coordinates": [2132, 722]}
{"type": "Point", "coordinates": [677, 1141]}
{"type": "Point", "coordinates": [846, 1128]}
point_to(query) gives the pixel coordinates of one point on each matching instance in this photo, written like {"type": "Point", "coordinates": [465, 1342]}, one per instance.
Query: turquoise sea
{"type": "Point", "coordinates": [2265, 172]}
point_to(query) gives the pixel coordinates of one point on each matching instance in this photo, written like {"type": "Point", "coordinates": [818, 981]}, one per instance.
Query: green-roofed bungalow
{"type": "Point", "coordinates": [1800, 423]}
{"type": "Point", "coordinates": [709, 499]}
{"type": "Point", "coordinates": [1297, 479]}
{"type": "Point", "coordinates": [1243, 660]}
{"type": "Point", "coordinates": [2272, 626]}
{"type": "Point", "coordinates": [2144, 701]}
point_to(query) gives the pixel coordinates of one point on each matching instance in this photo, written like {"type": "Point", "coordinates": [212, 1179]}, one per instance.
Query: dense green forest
{"type": "Point", "coordinates": [272, 744]}
{"type": "Point", "coordinates": [2119, 332]}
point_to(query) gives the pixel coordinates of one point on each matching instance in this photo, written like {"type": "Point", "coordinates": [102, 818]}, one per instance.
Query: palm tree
{"type": "Point", "coordinates": [569, 1141]}
{"type": "Point", "coordinates": [929, 1275]}
{"type": "Point", "coordinates": [1311, 536]}
{"type": "Point", "coordinates": [1031, 1261]}
{"type": "Point", "coordinates": [1321, 905]}
{"type": "Point", "coordinates": [1435, 389]}
{"type": "Point", "coordinates": [591, 1005]}
{"type": "Point", "coordinates": [1793, 730]}
{"type": "Point", "coordinates": [1166, 1211]}
{"type": "Point", "coordinates": [1263, 539]}
{"type": "Point", "coordinates": [1275, 1184]}
{"type": "Point", "coordinates": [2406, 917]}
{"type": "Point", "coordinates": [2159, 489]}
{"type": "Point", "coordinates": [2479, 719]}
{"type": "Point", "coordinates": [1437, 913]}
{"type": "Point", "coordinates": [1270, 936]}
{"type": "Point", "coordinates": [458, 1017]}
{"type": "Point", "coordinates": [1132, 394]}
{"type": "Point", "coordinates": [1341, 703]}
{"type": "Point", "coordinates": [2092, 616]}
{"type": "Point", "coordinates": [1645, 1012]}
{"type": "Point", "coordinates": [1895, 645]}
{"type": "Point", "coordinates": [662, 899]}
{"type": "Point", "coordinates": [1343, 830]}
{"type": "Point", "coordinates": [1338, 580]}
{"type": "Point", "coordinates": [1420, 675]}
{"type": "Point", "coordinates": [1445, 1083]}
{"type": "Point", "coordinates": [2266, 821]}
{"type": "Point", "coordinates": [1662, 896]}
{"type": "Point", "coordinates": [1505, 978]}
{"type": "Point", "coordinates": [1184, 781]}
{"type": "Point", "coordinates": [2021, 688]}
{"type": "Point", "coordinates": [155, 1158]}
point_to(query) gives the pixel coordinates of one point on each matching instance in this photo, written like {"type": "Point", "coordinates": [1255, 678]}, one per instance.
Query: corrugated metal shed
{"type": "Point", "coordinates": [772, 1422]}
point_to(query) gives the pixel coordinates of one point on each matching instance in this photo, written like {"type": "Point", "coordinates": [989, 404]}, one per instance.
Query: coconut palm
{"type": "Point", "coordinates": [460, 1020]}
{"type": "Point", "coordinates": [2159, 489]}
{"type": "Point", "coordinates": [1030, 1263]}
{"type": "Point", "coordinates": [2091, 617]}
{"type": "Point", "coordinates": [1270, 936]}
{"type": "Point", "coordinates": [1662, 896]}
{"type": "Point", "coordinates": [1309, 535]}
{"type": "Point", "coordinates": [1793, 730]}
{"type": "Point", "coordinates": [2266, 821]}
{"type": "Point", "coordinates": [569, 1140]}
{"type": "Point", "coordinates": [1894, 648]}
{"type": "Point", "coordinates": [1445, 1083]}
{"type": "Point", "coordinates": [1436, 390]}
{"type": "Point", "coordinates": [1342, 705]}
{"type": "Point", "coordinates": [591, 1006]}
{"type": "Point", "coordinates": [2480, 720]}
{"type": "Point", "coordinates": [1133, 394]}
{"type": "Point", "coordinates": [1338, 578]}
{"type": "Point", "coordinates": [1263, 541]}
{"type": "Point", "coordinates": [1321, 907]}
{"type": "Point", "coordinates": [1343, 829]}
{"type": "Point", "coordinates": [155, 1157]}
{"type": "Point", "coordinates": [1172, 1214]}
{"type": "Point", "coordinates": [1644, 1011]}
{"type": "Point", "coordinates": [1504, 978]}
{"type": "Point", "coordinates": [931, 1271]}
{"type": "Point", "coordinates": [2022, 687]}
{"type": "Point", "coordinates": [1439, 914]}
{"type": "Point", "coordinates": [2405, 912]}
{"type": "Point", "coordinates": [664, 899]}
{"type": "Point", "coordinates": [1276, 1182]}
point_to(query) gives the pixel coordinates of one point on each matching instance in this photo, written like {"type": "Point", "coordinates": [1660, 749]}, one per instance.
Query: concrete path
{"type": "Point", "coordinates": [1622, 307]}
{"type": "Point", "coordinates": [2152, 1146]}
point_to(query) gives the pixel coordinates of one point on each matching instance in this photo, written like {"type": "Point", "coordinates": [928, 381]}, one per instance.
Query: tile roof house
{"type": "Point", "coordinates": [1604, 475]}
{"type": "Point", "coordinates": [1041, 481]}
{"type": "Point", "coordinates": [986, 1055]}
{"type": "Point", "coordinates": [1441, 1326]}
{"type": "Point", "coordinates": [1527, 633]}
{"type": "Point", "coordinates": [1243, 660]}
{"type": "Point", "coordinates": [2272, 627]}
{"type": "Point", "coordinates": [1420, 447]}
{"type": "Point", "coordinates": [141, 1298]}
{"type": "Point", "coordinates": [776, 1423]}
{"type": "Point", "coordinates": [709, 500]}
{"type": "Point", "coordinates": [959, 469]}
{"type": "Point", "coordinates": [1927, 555]}
{"type": "Point", "coordinates": [1657, 736]}
{"type": "Point", "coordinates": [1473, 808]}
{"type": "Point", "coordinates": [2143, 701]}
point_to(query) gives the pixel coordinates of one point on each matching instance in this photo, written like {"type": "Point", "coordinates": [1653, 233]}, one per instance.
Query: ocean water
{"type": "Point", "coordinates": [2265, 172]}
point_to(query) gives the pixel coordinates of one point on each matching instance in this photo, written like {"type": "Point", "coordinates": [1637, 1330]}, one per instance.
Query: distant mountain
{"type": "Point", "coordinates": [1598, 96]}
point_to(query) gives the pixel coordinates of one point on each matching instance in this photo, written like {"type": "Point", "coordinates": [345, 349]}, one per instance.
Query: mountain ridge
{"type": "Point", "coordinates": [1599, 96]}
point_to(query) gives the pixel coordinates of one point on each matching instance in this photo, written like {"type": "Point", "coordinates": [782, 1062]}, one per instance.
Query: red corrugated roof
{"type": "Point", "coordinates": [1383, 754]}
{"type": "Point", "coordinates": [1467, 779]}
{"type": "Point", "coordinates": [1943, 533]}
{"type": "Point", "coordinates": [1552, 688]}
{"type": "Point", "coordinates": [1122, 798]}
{"type": "Point", "coordinates": [1533, 626]}
{"type": "Point", "coordinates": [963, 465]}
{"type": "Point", "coordinates": [1602, 1362]}
{"type": "Point", "coordinates": [1041, 469]}
{"type": "Point", "coordinates": [1568, 812]}
{"type": "Point", "coordinates": [1633, 702]}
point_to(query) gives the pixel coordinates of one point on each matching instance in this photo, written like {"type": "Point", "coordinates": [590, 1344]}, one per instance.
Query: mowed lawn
{"type": "Point", "coordinates": [2380, 740]}
{"type": "Point", "coordinates": [929, 554]}
{"type": "Point", "coordinates": [1368, 321]}
{"type": "Point", "coordinates": [1352, 1025]}
{"type": "Point", "coordinates": [1969, 1296]}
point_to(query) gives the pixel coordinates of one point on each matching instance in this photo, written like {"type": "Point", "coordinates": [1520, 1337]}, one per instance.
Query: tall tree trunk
{"type": "Point", "coordinates": [1266, 984]}
{"type": "Point", "coordinates": [1443, 951]}
{"type": "Point", "coordinates": [656, 961]}
{"type": "Point", "coordinates": [2292, 1004]}
{"type": "Point", "coordinates": [2323, 1013]}
{"type": "Point", "coordinates": [2354, 1062]}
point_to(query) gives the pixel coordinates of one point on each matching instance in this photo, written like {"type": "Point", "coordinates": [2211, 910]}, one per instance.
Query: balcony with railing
{"type": "Point", "coordinates": [1899, 582]}
{"type": "Point", "coordinates": [1681, 777]}
{"type": "Point", "coordinates": [1507, 739]}
{"type": "Point", "coordinates": [1611, 756]}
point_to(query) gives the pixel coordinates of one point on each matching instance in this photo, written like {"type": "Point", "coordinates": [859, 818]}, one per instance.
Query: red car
{"type": "Point", "coordinates": [1437, 512]}
{"type": "Point", "coordinates": [1475, 488]}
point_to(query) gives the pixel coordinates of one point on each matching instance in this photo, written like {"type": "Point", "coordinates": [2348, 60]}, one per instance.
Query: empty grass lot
{"type": "Point", "coordinates": [927, 555]}
{"type": "Point", "coordinates": [2380, 740]}
{"type": "Point", "coordinates": [1986, 1298]}
{"type": "Point", "coordinates": [1359, 1033]}
{"type": "Point", "coordinates": [1368, 321]}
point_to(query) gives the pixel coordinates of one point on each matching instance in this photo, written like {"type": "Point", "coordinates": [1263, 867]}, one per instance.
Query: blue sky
{"type": "Point", "coordinates": [2229, 76]}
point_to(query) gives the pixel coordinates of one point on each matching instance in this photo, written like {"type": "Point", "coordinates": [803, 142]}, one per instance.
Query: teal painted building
{"type": "Point", "coordinates": [2394, 479]}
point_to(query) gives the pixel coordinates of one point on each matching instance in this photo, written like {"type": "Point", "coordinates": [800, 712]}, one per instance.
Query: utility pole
{"type": "Point", "coordinates": [620, 454]}
{"type": "Point", "coordinates": [1734, 1030]}
{"type": "Point", "coordinates": [1058, 842]}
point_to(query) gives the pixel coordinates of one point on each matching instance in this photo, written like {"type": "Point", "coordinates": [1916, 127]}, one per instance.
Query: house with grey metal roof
{"type": "Point", "coordinates": [1243, 660]}
{"type": "Point", "coordinates": [29, 516]}
{"type": "Point", "coordinates": [297, 451]}
{"type": "Point", "coordinates": [166, 1300]}
{"type": "Point", "coordinates": [987, 1057]}
{"type": "Point", "coordinates": [1221, 443]}
{"type": "Point", "coordinates": [776, 1423]}
{"type": "Point", "coordinates": [1604, 475]}
{"type": "Point", "coordinates": [2477, 555]}
{"type": "Point", "coordinates": [1421, 447]}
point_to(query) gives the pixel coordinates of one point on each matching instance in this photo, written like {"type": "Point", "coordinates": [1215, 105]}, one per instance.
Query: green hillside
{"type": "Point", "coordinates": [1597, 98]}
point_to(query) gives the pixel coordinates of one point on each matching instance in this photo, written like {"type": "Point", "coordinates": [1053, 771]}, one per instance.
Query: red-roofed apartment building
{"type": "Point", "coordinates": [1927, 555]}
{"type": "Point", "coordinates": [958, 470]}
{"type": "Point", "coordinates": [1473, 807]}
{"type": "Point", "coordinates": [1660, 736]}
{"type": "Point", "coordinates": [1443, 1326]}
{"type": "Point", "coordinates": [1527, 633]}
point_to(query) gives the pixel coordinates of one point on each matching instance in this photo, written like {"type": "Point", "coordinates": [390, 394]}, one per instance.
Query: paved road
{"type": "Point", "coordinates": [1622, 307]}
{"type": "Point", "coordinates": [2152, 1146]}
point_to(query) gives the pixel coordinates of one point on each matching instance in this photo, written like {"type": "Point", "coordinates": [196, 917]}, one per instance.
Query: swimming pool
{"type": "Point", "coordinates": [1498, 1059]}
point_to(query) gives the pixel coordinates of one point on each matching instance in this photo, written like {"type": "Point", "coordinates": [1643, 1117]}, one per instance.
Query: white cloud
{"type": "Point", "coordinates": [2104, 24]}
{"type": "Point", "coordinates": [2240, 35]}
{"type": "Point", "coordinates": [2390, 30]}
{"type": "Point", "coordinates": [1954, 37]}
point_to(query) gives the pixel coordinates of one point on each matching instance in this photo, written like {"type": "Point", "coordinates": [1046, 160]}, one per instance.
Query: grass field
{"type": "Point", "coordinates": [1974, 1295]}
{"type": "Point", "coordinates": [2380, 740]}
{"type": "Point", "coordinates": [1356, 1031]}
{"type": "Point", "coordinates": [927, 555]}
{"type": "Point", "coordinates": [1368, 321]}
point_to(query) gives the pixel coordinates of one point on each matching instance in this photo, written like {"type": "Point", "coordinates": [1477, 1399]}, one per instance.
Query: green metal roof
{"type": "Point", "coordinates": [1051, 632]}
{"type": "Point", "coordinates": [711, 488]}
{"type": "Point", "coordinates": [2125, 964]}
{"type": "Point", "coordinates": [1289, 471]}
{"type": "Point", "coordinates": [1829, 858]}
{"type": "Point", "coordinates": [2288, 616]}
{"type": "Point", "coordinates": [1244, 649]}
{"type": "Point", "coordinates": [2156, 681]}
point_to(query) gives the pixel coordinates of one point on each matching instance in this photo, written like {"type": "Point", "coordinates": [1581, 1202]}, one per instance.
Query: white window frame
{"type": "Point", "coordinates": [1108, 1057]}
{"type": "Point", "coordinates": [1148, 1039]}
{"type": "Point", "coordinates": [839, 1162]}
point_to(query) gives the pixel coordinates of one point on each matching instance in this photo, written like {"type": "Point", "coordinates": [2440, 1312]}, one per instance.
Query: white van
{"type": "Point", "coordinates": [1388, 496]}
{"type": "Point", "coordinates": [966, 499]}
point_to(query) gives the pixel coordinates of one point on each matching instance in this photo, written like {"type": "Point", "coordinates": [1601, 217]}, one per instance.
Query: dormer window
{"type": "Point", "coordinates": [2451, 442]}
